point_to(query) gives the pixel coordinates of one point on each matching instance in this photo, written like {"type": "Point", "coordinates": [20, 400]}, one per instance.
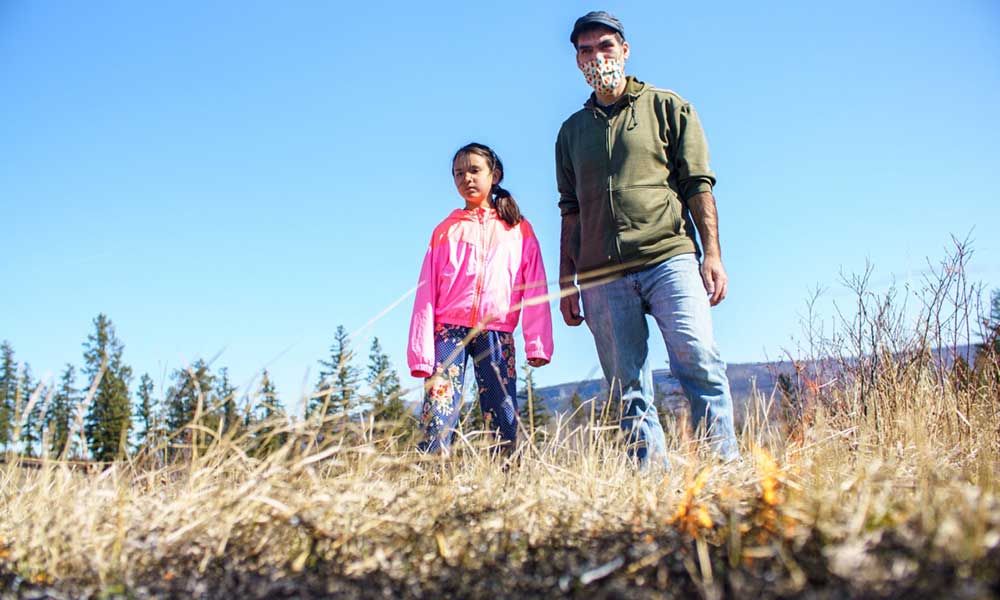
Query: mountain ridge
{"type": "Point", "coordinates": [744, 379]}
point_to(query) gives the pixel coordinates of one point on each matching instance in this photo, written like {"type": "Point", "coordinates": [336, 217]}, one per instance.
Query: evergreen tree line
{"type": "Point", "coordinates": [92, 413]}
{"type": "Point", "coordinates": [102, 421]}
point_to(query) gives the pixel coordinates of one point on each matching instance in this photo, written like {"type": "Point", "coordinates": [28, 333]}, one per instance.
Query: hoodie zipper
{"type": "Point", "coordinates": [611, 202]}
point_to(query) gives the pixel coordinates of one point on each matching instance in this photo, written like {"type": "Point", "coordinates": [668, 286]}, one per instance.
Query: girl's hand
{"type": "Point", "coordinates": [537, 362]}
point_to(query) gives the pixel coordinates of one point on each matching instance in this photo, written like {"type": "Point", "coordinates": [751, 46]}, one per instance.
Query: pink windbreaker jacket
{"type": "Point", "coordinates": [479, 271]}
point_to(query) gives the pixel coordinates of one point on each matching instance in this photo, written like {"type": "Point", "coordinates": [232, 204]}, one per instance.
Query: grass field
{"type": "Point", "coordinates": [874, 476]}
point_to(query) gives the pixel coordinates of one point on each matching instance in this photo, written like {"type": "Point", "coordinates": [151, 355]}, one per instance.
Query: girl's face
{"type": "Point", "coordinates": [473, 178]}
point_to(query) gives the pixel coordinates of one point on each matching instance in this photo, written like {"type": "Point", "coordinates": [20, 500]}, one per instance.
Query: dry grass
{"type": "Point", "coordinates": [861, 504]}
{"type": "Point", "coordinates": [885, 484]}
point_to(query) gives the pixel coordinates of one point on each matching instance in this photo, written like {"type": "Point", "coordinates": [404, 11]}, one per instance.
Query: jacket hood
{"type": "Point", "coordinates": [463, 214]}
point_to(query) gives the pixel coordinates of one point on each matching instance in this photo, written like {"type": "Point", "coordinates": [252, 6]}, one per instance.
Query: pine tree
{"type": "Point", "coordinates": [108, 417]}
{"type": "Point", "coordinates": [987, 359]}
{"type": "Point", "coordinates": [146, 410]}
{"type": "Point", "coordinates": [474, 419]}
{"type": "Point", "coordinates": [533, 415]}
{"type": "Point", "coordinates": [8, 392]}
{"type": "Point", "coordinates": [225, 395]}
{"type": "Point", "coordinates": [60, 411]}
{"type": "Point", "coordinates": [269, 414]}
{"type": "Point", "coordinates": [578, 414]}
{"type": "Point", "coordinates": [994, 323]}
{"type": "Point", "coordinates": [788, 389]}
{"type": "Point", "coordinates": [338, 380]}
{"type": "Point", "coordinates": [384, 383]}
{"type": "Point", "coordinates": [192, 388]}
{"type": "Point", "coordinates": [791, 407]}
{"type": "Point", "coordinates": [31, 402]}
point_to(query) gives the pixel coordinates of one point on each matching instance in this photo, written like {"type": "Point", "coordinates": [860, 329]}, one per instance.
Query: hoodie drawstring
{"type": "Point", "coordinates": [633, 121]}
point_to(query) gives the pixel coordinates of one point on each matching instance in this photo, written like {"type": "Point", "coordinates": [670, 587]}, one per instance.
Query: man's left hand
{"type": "Point", "coordinates": [537, 362]}
{"type": "Point", "coordinates": [713, 274]}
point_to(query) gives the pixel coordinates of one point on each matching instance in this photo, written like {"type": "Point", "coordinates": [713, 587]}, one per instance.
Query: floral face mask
{"type": "Point", "coordinates": [603, 74]}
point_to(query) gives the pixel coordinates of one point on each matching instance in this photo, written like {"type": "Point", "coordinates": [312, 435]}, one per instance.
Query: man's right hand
{"type": "Point", "coordinates": [569, 306]}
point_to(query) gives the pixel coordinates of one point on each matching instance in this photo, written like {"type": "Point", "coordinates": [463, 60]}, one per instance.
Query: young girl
{"type": "Point", "coordinates": [482, 266]}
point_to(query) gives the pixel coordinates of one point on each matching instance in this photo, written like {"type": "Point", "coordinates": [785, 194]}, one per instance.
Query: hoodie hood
{"type": "Point", "coordinates": [629, 172]}
{"type": "Point", "coordinates": [633, 89]}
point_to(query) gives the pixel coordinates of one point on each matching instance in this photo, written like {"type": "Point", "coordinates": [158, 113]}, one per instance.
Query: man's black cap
{"type": "Point", "coordinates": [596, 17]}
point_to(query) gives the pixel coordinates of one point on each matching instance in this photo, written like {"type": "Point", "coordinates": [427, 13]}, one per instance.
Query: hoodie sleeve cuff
{"type": "Point", "coordinates": [568, 205]}
{"type": "Point", "coordinates": [697, 187]}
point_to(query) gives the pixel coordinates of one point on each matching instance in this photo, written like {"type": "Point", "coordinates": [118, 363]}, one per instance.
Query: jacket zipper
{"type": "Point", "coordinates": [480, 247]}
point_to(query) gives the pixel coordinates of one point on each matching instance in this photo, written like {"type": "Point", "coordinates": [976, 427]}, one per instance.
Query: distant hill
{"type": "Point", "coordinates": [743, 379]}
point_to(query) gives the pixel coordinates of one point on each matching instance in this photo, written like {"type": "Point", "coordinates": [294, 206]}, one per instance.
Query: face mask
{"type": "Point", "coordinates": [604, 74]}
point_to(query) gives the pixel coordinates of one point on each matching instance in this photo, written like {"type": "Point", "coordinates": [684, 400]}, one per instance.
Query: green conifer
{"type": "Point", "coordinates": [225, 394]}
{"type": "Point", "coordinates": [384, 383]}
{"type": "Point", "coordinates": [60, 412]}
{"type": "Point", "coordinates": [32, 400]}
{"type": "Point", "coordinates": [531, 408]}
{"type": "Point", "coordinates": [108, 417]}
{"type": "Point", "coordinates": [8, 392]}
{"type": "Point", "coordinates": [270, 418]}
{"type": "Point", "coordinates": [146, 409]}
{"type": "Point", "coordinates": [187, 399]}
{"type": "Point", "coordinates": [338, 379]}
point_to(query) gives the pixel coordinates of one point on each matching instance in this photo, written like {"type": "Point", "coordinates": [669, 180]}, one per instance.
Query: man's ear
{"type": "Point", "coordinates": [625, 48]}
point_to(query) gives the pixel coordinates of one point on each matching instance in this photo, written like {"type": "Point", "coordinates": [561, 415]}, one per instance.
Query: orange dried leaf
{"type": "Point", "coordinates": [699, 482]}
{"type": "Point", "coordinates": [703, 518]}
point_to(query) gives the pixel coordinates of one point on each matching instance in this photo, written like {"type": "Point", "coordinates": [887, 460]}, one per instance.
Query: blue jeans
{"type": "Point", "coordinates": [674, 294]}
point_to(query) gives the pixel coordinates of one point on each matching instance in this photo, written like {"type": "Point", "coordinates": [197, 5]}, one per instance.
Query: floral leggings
{"type": "Point", "coordinates": [492, 355]}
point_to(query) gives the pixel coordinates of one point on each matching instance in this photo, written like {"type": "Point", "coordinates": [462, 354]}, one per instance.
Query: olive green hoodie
{"type": "Point", "coordinates": [629, 177]}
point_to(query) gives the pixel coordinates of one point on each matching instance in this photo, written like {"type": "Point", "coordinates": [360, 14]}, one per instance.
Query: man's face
{"type": "Point", "coordinates": [601, 43]}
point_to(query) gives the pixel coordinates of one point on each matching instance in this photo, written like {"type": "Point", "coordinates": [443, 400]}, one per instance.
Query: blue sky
{"type": "Point", "coordinates": [242, 177]}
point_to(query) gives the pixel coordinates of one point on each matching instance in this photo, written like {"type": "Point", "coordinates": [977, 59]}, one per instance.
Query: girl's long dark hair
{"type": "Point", "coordinates": [501, 199]}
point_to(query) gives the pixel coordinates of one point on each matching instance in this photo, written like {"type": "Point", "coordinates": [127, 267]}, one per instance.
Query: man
{"type": "Point", "coordinates": [634, 184]}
